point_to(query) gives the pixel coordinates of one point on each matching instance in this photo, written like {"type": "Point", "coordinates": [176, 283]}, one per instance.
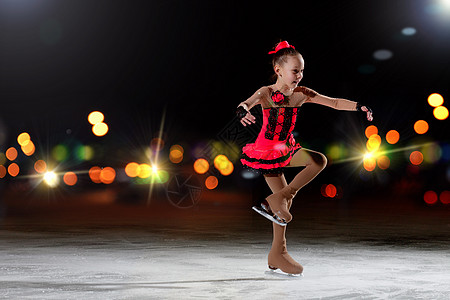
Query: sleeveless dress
{"type": "Point", "coordinates": [275, 144]}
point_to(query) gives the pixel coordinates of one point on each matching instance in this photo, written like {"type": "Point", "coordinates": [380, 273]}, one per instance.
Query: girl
{"type": "Point", "coordinates": [276, 148]}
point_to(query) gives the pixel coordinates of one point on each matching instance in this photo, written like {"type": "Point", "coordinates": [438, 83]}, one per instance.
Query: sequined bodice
{"type": "Point", "coordinates": [278, 122]}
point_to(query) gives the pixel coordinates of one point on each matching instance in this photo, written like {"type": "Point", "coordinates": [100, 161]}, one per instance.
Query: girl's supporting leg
{"type": "Point", "coordinates": [278, 255]}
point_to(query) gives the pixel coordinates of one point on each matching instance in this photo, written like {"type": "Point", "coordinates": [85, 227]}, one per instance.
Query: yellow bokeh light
{"type": "Point", "coordinates": [51, 179]}
{"type": "Point", "coordinates": [100, 129]}
{"type": "Point", "coordinates": [435, 100]}
{"type": "Point", "coordinates": [201, 166]}
{"type": "Point", "coordinates": [211, 182]}
{"type": "Point", "coordinates": [132, 169]}
{"type": "Point", "coordinates": [23, 139]}
{"type": "Point", "coordinates": [221, 162]}
{"type": "Point", "coordinates": [228, 169]}
{"type": "Point", "coordinates": [421, 127]}
{"type": "Point", "coordinates": [440, 112]}
{"type": "Point", "coordinates": [11, 153]}
{"type": "Point", "coordinates": [145, 171]}
{"type": "Point", "coordinates": [373, 143]}
{"type": "Point", "coordinates": [392, 137]}
{"type": "Point", "coordinates": [96, 117]}
{"type": "Point", "coordinates": [371, 130]}
{"type": "Point", "coordinates": [40, 166]}
{"type": "Point", "coordinates": [70, 178]}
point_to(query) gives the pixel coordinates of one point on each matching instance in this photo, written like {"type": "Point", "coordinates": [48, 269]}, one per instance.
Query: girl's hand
{"type": "Point", "coordinates": [248, 119]}
{"type": "Point", "coordinates": [368, 112]}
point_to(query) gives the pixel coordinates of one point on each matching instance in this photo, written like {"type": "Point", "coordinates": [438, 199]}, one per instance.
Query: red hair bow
{"type": "Point", "coordinates": [281, 45]}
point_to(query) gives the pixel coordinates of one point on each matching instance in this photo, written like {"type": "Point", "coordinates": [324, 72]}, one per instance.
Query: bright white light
{"type": "Point", "coordinates": [155, 169]}
{"type": "Point", "coordinates": [368, 155]}
{"type": "Point", "coordinates": [51, 179]}
{"type": "Point", "coordinates": [446, 3]}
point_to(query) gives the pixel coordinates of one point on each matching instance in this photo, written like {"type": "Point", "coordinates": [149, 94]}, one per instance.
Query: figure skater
{"type": "Point", "coordinates": [275, 147]}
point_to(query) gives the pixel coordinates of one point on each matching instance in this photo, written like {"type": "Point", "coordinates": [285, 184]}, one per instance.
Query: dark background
{"type": "Point", "coordinates": [190, 63]}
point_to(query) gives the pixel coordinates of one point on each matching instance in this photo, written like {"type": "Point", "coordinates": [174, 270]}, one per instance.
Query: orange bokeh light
{"type": "Point", "coordinates": [40, 166]}
{"type": "Point", "coordinates": [13, 169]}
{"type": "Point", "coordinates": [392, 137]}
{"type": "Point", "coordinates": [373, 143]}
{"type": "Point", "coordinates": [383, 162]}
{"type": "Point", "coordinates": [228, 169]}
{"type": "Point", "coordinates": [132, 169]}
{"type": "Point", "coordinates": [211, 182]}
{"type": "Point", "coordinates": [416, 158]}
{"type": "Point", "coordinates": [201, 166]}
{"type": "Point", "coordinates": [29, 148]}
{"type": "Point", "coordinates": [11, 153]}
{"type": "Point", "coordinates": [421, 127]}
{"type": "Point", "coordinates": [430, 197]}
{"type": "Point", "coordinates": [94, 174]}
{"type": "Point", "coordinates": [369, 164]}
{"type": "Point", "coordinates": [2, 171]}
{"type": "Point", "coordinates": [107, 175]}
{"type": "Point", "coordinates": [176, 156]}
{"type": "Point", "coordinates": [100, 129]}
{"type": "Point", "coordinates": [371, 130]}
{"type": "Point", "coordinates": [70, 178]}
{"type": "Point", "coordinates": [330, 191]}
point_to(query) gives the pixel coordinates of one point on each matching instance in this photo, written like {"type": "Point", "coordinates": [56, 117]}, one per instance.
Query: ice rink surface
{"type": "Point", "coordinates": [209, 253]}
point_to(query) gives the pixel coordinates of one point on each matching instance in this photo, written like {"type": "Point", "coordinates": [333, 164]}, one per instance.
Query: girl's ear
{"type": "Point", "coordinates": [277, 69]}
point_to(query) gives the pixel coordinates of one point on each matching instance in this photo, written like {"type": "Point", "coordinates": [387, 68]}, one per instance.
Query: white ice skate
{"type": "Point", "coordinates": [264, 210]}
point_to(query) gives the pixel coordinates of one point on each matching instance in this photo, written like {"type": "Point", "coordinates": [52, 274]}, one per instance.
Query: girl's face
{"type": "Point", "coordinates": [291, 72]}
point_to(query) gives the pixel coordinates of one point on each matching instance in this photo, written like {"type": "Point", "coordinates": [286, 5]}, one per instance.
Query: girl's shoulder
{"type": "Point", "coordinates": [305, 91]}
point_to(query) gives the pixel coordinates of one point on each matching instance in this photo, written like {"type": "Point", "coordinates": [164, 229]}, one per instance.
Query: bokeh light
{"type": "Point", "coordinates": [201, 166]}
{"type": "Point", "coordinates": [94, 174]}
{"type": "Point", "coordinates": [430, 197]}
{"type": "Point", "coordinates": [432, 152]}
{"type": "Point", "coordinates": [145, 171]}
{"type": "Point", "coordinates": [2, 158]}
{"type": "Point", "coordinates": [70, 178]}
{"type": "Point", "coordinates": [444, 197]}
{"type": "Point", "coordinates": [369, 163]}
{"type": "Point", "coordinates": [23, 139]}
{"type": "Point", "coordinates": [373, 143]}
{"type": "Point", "coordinates": [371, 130]}
{"type": "Point", "coordinates": [383, 162]}
{"type": "Point", "coordinates": [435, 100]}
{"type": "Point", "coordinates": [40, 166]}
{"type": "Point", "coordinates": [211, 182]}
{"type": "Point", "coordinates": [157, 144]}
{"type": "Point", "coordinates": [176, 154]}
{"type": "Point", "coordinates": [84, 152]}
{"type": "Point", "coordinates": [409, 31]}
{"type": "Point", "coordinates": [107, 175]}
{"type": "Point", "coordinates": [95, 117]}
{"type": "Point", "coordinates": [416, 158]}
{"type": "Point", "coordinates": [11, 153]}
{"type": "Point", "coordinates": [392, 137]}
{"type": "Point", "coordinates": [228, 169]}
{"type": "Point", "coordinates": [60, 152]}
{"type": "Point", "coordinates": [100, 129]}
{"type": "Point", "coordinates": [28, 149]}
{"type": "Point", "coordinates": [383, 54]}
{"type": "Point", "coordinates": [2, 171]}
{"type": "Point", "coordinates": [132, 169]}
{"type": "Point", "coordinates": [440, 113]}
{"type": "Point", "coordinates": [51, 179]}
{"type": "Point", "coordinates": [330, 191]}
{"type": "Point", "coordinates": [421, 127]}
{"type": "Point", "coordinates": [13, 169]}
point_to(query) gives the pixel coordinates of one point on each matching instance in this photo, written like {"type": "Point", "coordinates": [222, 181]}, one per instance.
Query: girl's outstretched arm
{"type": "Point", "coordinates": [243, 109]}
{"type": "Point", "coordinates": [336, 103]}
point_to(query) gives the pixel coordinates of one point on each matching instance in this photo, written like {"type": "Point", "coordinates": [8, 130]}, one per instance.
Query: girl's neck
{"type": "Point", "coordinates": [280, 86]}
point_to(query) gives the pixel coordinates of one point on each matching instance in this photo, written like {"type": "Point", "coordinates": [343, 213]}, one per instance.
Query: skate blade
{"type": "Point", "coordinates": [278, 272]}
{"type": "Point", "coordinates": [263, 213]}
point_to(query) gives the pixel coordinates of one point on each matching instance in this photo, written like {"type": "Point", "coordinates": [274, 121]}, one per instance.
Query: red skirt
{"type": "Point", "coordinates": [269, 156]}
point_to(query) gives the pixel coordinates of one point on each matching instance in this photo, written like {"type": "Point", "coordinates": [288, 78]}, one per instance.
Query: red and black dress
{"type": "Point", "coordinates": [275, 144]}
